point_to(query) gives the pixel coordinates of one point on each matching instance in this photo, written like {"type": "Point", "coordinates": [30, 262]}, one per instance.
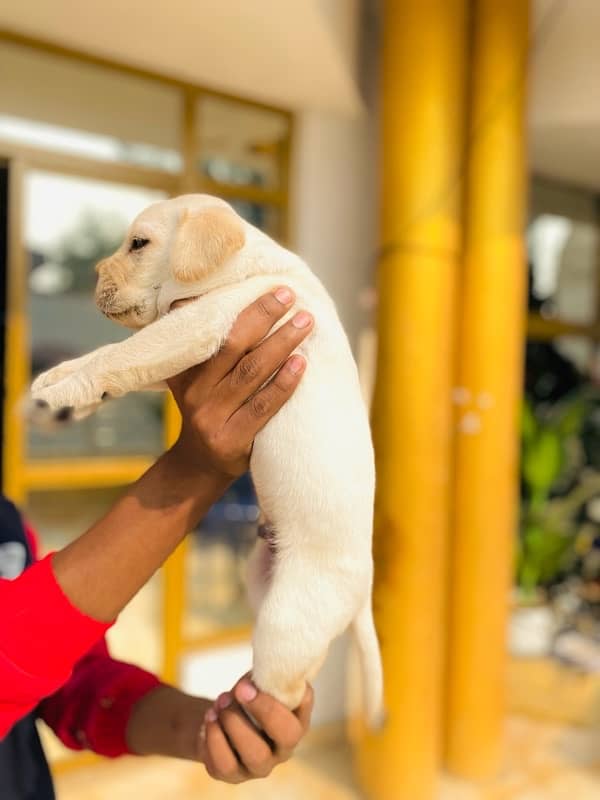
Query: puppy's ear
{"type": "Point", "coordinates": [204, 240]}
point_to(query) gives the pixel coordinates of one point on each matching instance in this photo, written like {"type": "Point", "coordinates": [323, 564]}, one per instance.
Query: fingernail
{"type": "Point", "coordinates": [301, 320]}
{"type": "Point", "coordinates": [247, 692]}
{"type": "Point", "coordinates": [223, 700]}
{"type": "Point", "coordinates": [211, 715]}
{"type": "Point", "coordinates": [284, 295]}
{"type": "Point", "coordinates": [296, 364]}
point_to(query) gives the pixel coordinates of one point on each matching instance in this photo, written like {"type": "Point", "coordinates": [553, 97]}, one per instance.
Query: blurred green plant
{"type": "Point", "coordinates": [555, 489]}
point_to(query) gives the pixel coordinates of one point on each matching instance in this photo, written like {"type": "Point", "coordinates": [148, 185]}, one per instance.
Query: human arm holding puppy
{"type": "Point", "coordinates": [223, 407]}
{"type": "Point", "coordinates": [221, 414]}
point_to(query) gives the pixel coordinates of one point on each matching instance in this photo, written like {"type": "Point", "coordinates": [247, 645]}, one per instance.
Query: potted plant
{"type": "Point", "coordinates": [555, 489]}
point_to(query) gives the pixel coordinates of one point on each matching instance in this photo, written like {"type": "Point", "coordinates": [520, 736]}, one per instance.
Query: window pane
{"type": "Point", "coordinates": [57, 103]}
{"type": "Point", "coordinates": [71, 223]}
{"type": "Point", "coordinates": [242, 144]}
{"type": "Point", "coordinates": [216, 589]}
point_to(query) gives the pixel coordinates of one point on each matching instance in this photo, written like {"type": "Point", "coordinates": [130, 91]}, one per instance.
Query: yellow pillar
{"type": "Point", "coordinates": [173, 575]}
{"type": "Point", "coordinates": [488, 387]}
{"type": "Point", "coordinates": [423, 87]}
{"type": "Point", "coordinates": [17, 370]}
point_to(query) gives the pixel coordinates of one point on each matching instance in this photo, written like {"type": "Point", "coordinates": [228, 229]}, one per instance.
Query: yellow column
{"type": "Point", "coordinates": [17, 371]}
{"type": "Point", "coordinates": [173, 576]}
{"type": "Point", "coordinates": [423, 83]}
{"type": "Point", "coordinates": [489, 387]}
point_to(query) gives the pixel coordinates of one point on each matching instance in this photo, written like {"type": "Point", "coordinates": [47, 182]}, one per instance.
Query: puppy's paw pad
{"type": "Point", "coordinates": [39, 413]}
{"type": "Point", "coordinates": [64, 414]}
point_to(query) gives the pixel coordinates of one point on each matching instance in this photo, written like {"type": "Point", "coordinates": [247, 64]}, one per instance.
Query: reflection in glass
{"type": "Point", "coordinates": [242, 144]}
{"type": "Point", "coordinates": [70, 224]}
{"type": "Point", "coordinates": [52, 102]}
{"type": "Point", "coordinates": [90, 145]}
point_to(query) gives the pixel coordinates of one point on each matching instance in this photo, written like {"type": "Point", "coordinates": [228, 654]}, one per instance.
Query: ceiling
{"type": "Point", "coordinates": [564, 109]}
{"type": "Point", "coordinates": [295, 54]}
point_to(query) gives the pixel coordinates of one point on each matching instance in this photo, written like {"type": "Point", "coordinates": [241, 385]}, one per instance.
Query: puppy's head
{"type": "Point", "coordinates": [182, 241]}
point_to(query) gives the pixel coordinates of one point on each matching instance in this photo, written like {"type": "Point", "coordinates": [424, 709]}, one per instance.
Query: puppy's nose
{"type": "Point", "coordinates": [104, 295]}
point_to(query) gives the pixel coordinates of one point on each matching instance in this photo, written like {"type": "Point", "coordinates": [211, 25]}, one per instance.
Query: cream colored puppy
{"type": "Point", "coordinates": [312, 465]}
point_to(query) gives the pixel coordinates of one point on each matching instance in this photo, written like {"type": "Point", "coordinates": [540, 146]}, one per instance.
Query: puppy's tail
{"type": "Point", "coordinates": [371, 667]}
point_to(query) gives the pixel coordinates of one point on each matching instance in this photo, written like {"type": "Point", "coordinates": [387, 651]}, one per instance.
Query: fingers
{"type": "Point", "coordinates": [285, 728]}
{"type": "Point", "coordinates": [252, 325]}
{"type": "Point", "coordinates": [304, 710]}
{"type": "Point", "coordinates": [254, 414]}
{"type": "Point", "coordinates": [220, 760]}
{"type": "Point", "coordinates": [252, 749]}
{"type": "Point", "coordinates": [260, 363]}
{"type": "Point", "coordinates": [235, 748]}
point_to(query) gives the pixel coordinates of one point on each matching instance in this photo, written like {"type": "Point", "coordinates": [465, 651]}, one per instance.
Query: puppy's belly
{"type": "Point", "coordinates": [313, 467]}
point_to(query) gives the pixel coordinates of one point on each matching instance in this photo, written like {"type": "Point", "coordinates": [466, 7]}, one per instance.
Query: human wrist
{"type": "Point", "coordinates": [193, 468]}
{"type": "Point", "coordinates": [167, 722]}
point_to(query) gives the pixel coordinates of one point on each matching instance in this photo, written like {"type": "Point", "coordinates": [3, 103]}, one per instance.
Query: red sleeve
{"type": "Point", "coordinates": [92, 709]}
{"type": "Point", "coordinates": [42, 636]}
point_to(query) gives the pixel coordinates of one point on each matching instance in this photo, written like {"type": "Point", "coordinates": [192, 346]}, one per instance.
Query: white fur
{"type": "Point", "coordinates": [312, 465]}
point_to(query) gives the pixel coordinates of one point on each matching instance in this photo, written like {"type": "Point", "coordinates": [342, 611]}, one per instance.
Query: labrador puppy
{"type": "Point", "coordinates": [312, 465]}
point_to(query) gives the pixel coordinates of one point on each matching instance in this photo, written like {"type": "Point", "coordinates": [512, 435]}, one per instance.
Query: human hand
{"type": "Point", "coordinates": [219, 734]}
{"type": "Point", "coordinates": [221, 406]}
{"type": "Point", "coordinates": [235, 749]}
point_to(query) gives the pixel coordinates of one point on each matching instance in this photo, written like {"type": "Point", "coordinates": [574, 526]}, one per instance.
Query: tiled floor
{"type": "Point", "coordinates": [543, 762]}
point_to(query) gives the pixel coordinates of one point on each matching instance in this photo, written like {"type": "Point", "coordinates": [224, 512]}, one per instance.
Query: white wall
{"type": "Point", "coordinates": [334, 208]}
{"type": "Point", "coordinates": [334, 184]}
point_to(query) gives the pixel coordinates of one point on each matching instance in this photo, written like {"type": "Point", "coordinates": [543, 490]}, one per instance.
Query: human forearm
{"type": "Point", "coordinates": [224, 403]}
{"type": "Point", "coordinates": [103, 569]}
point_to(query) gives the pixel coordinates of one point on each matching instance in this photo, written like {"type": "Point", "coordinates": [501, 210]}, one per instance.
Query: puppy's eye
{"type": "Point", "coordinates": [137, 243]}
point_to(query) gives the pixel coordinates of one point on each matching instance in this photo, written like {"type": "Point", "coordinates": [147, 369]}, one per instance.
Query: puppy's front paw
{"type": "Point", "coordinates": [39, 414]}
{"type": "Point", "coordinates": [71, 398]}
{"type": "Point", "coordinates": [54, 375]}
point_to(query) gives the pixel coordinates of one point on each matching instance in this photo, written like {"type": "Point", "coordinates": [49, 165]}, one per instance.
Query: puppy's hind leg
{"type": "Point", "coordinates": [298, 619]}
{"type": "Point", "coordinates": [258, 572]}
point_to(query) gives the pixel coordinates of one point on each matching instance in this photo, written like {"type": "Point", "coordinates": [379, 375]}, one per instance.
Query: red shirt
{"type": "Point", "coordinates": [55, 657]}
